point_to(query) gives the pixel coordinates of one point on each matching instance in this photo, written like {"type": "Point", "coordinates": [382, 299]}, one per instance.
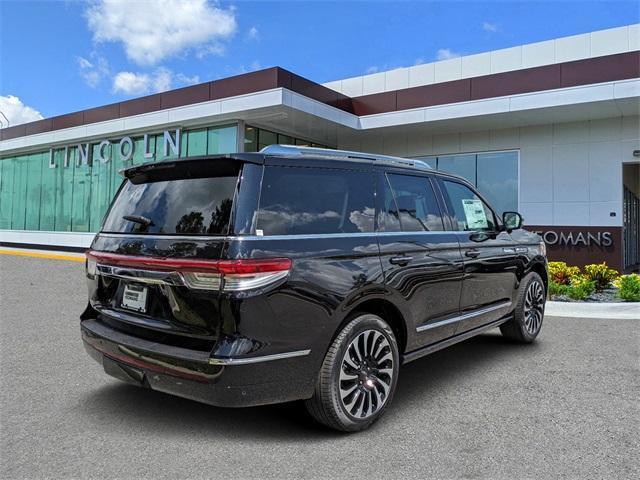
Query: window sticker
{"type": "Point", "coordinates": [476, 216]}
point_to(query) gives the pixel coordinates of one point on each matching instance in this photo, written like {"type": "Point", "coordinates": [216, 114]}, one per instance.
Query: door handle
{"type": "Point", "coordinates": [402, 261]}
{"type": "Point", "coordinates": [472, 253]}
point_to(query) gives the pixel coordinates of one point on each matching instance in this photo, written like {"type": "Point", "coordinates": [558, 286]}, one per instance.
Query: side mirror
{"type": "Point", "coordinates": [511, 221]}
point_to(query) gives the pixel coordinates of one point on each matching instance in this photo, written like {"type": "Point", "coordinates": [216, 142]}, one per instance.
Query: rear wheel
{"type": "Point", "coordinates": [358, 376]}
{"type": "Point", "coordinates": [529, 312]}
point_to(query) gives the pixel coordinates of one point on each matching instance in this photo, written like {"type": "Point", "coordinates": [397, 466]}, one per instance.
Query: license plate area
{"type": "Point", "coordinates": [134, 297]}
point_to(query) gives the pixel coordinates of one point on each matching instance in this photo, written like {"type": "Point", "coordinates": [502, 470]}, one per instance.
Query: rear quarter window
{"type": "Point", "coordinates": [181, 206]}
{"type": "Point", "coordinates": [301, 200]}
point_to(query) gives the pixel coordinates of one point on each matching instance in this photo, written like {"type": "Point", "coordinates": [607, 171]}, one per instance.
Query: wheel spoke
{"type": "Point", "coordinates": [349, 362]}
{"type": "Point", "coordinates": [348, 376]}
{"type": "Point", "coordinates": [359, 406]}
{"type": "Point", "coordinates": [385, 357]}
{"type": "Point", "coordinates": [356, 351]}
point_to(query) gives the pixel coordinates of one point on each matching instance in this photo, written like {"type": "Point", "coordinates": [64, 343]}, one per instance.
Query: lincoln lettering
{"type": "Point", "coordinates": [124, 149]}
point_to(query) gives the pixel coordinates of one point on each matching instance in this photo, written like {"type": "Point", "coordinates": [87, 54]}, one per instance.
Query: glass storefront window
{"type": "Point", "coordinates": [463, 165]}
{"type": "Point", "coordinates": [74, 197]}
{"type": "Point", "coordinates": [495, 174]}
{"type": "Point", "coordinates": [498, 180]}
{"type": "Point", "coordinates": [196, 143]}
{"type": "Point", "coordinates": [250, 139]}
{"type": "Point", "coordinates": [266, 138]}
{"type": "Point", "coordinates": [255, 139]}
{"type": "Point", "coordinates": [222, 140]}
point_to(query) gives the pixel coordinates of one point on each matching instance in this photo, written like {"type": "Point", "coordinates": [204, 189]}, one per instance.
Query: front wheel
{"type": "Point", "coordinates": [529, 312]}
{"type": "Point", "coordinates": [358, 376]}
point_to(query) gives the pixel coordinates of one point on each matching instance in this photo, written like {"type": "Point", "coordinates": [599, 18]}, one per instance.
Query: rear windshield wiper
{"type": "Point", "coordinates": [147, 222]}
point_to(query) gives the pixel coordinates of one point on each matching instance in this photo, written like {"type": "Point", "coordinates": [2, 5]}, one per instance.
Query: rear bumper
{"type": "Point", "coordinates": [225, 382]}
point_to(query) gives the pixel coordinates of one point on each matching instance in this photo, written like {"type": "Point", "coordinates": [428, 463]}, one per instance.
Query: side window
{"type": "Point", "coordinates": [297, 200]}
{"type": "Point", "coordinates": [417, 207]}
{"type": "Point", "coordinates": [469, 211]}
{"type": "Point", "coordinates": [388, 217]}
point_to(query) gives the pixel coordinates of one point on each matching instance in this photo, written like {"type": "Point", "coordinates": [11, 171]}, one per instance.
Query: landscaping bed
{"type": "Point", "coordinates": [594, 283]}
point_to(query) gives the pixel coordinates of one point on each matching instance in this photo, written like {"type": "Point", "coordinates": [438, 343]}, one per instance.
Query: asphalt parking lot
{"type": "Point", "coordinates": [567, 406]}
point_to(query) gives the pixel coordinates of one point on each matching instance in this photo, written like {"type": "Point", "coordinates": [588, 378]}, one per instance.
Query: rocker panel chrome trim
{"type": "Point", "coordinates": [466, 316]}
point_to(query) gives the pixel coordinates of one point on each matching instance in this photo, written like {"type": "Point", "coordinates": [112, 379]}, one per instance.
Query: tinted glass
{"type": "Point", "coordinates": [416, 202]}
{"type": "Point", "coordinates": [313, 201]}
{"type": "Point", "coordinates": [498, 179]}
{"type": "Point", "coordinates": [388, 217]}
{"type": "Point", "coordinates": [470, 212]}
{"type": "Point", "coordinates": [183, 206]}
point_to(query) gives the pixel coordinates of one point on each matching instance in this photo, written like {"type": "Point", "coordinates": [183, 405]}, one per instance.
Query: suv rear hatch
{"type": "Point", "coordinates": [155, 269]}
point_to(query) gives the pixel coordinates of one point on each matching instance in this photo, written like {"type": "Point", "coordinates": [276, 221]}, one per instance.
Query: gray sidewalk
{"type": "Point", "coordinates": [620, 310]}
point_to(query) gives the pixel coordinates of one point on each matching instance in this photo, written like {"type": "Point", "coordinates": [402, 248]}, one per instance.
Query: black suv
{"type": "Point", "coordinates": [301, 273]}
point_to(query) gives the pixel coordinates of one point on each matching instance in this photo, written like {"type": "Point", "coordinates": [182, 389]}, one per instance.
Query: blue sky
{"type": "Point", "coordinates": [62, 56]}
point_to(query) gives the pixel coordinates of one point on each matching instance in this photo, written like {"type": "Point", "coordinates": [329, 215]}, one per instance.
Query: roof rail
{"type": "Point", "coordinates": [295, 151]}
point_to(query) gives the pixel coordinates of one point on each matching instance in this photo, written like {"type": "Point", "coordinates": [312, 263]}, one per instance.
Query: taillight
{"type": "Point", "coordinates": [202, 274]}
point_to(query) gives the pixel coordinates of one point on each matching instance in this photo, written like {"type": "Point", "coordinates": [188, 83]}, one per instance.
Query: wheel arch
{"type": "Point", "coordinates": [540, 268]}
{"type": "Point", "coordinates": [387, 311]}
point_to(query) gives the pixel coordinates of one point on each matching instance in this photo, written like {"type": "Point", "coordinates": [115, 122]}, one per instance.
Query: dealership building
{"type": "Point", "coordinates": [550, 129]}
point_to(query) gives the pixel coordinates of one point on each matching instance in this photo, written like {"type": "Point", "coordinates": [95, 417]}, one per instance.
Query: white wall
{"type": "Point", "coordinates": [565, 49]}
{"type": "Point", "coordinates": [570, 173]}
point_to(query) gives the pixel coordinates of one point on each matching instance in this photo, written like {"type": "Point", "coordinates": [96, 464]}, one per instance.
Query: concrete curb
{"type": "Point", "coordinates": [622, 311]}
{"type": "Point", "coordinates": [48, 254]}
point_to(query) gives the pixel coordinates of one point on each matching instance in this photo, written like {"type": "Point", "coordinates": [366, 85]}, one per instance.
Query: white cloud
{"type": "Point", "coordinates": [253, 34]}
{"type": "Point", "coordinates": [212, 49]}
{"type": "Point", "coordinates": [372, 69]}
{"type": "Point", "coordinates": [153, 30]}
{"type": "Point", "coordinates": [446, 54]}
{"type": "Point", "coordinates": [131, 83]}
{"type": "Point", "coordinates": [252, 67]}
{"type": "Point", "coordinates": [161, 80]}
{"type": "Point", "coordinates": [186, 80]}
{"type": "Point", "coordinates": [93, 72]}
{"type": "Point", "coordinates": [489, 27]}
{"type": "Point", "coordinates": [16, 111]}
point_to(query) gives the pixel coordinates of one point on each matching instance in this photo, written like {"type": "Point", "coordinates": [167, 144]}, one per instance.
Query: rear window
{"type": "Point", "coordinates": [181, 206]}
{"type": "Point", "coordinates": [297, 200]}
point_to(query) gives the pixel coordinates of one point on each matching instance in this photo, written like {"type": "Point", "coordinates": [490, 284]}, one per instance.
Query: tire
{"type": "Point", "coordinates": [351, 392]}
{"type": "Point", "coordinates": [526, 323]}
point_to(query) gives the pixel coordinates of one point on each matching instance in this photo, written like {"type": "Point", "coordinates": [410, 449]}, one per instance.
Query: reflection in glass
{"type": "Point", "coordinates": [498, 180]}
{"type": "Point", "coordinates": [417, 204]}
{"type": "Point", "coordinates": [314, 201]}
{"type": "Point", "coordinates": [388, 217]}
{"type": "Point", "coordinates": [187, 206]}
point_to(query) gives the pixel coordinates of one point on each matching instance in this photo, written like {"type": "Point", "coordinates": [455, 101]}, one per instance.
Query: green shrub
{"type": "Point", "coordinates": [629, 286]}
{"type": "Point", "coordinates": [561, 273]}
{"type": "Point", "coordinates": [558, 289]}
{"type": "Point", "coordinates": [600, 274]}
{"type": "Point", "coordinates": [581, 287]}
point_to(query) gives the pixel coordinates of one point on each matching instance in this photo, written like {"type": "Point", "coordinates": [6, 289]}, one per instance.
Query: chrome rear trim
{"type": "Point", "coordinates": [263, 358]}
{"type": "Point", "coordinates": [150, 277]}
